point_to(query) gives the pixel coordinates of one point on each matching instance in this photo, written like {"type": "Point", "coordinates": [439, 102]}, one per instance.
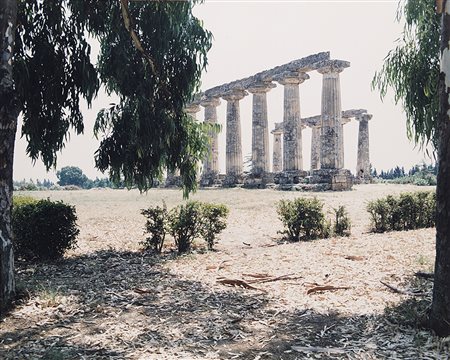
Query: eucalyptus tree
{"type": "Point", "coordinates": [418, 69]}
{"type": "Point", "coordinates": [152, 54]}
{"type": "Point", "coordinates": [440, 308]}
{"type": "Point", "coordinates": [411, 69]}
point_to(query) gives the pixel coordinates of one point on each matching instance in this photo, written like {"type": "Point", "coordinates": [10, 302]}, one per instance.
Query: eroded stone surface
{"type": "Point", "coordinates": [234, 166]}
{"type": "Point", "coordinates": [260, 128]}
{"type": "Point", "coordinates": [363, 159]}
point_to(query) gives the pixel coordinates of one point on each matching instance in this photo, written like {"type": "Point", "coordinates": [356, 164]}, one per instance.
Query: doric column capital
{"type": "Point", "coordinates": [234, 94]}
{"type": "Point", "coordinates": [291, 77]}
{"type": "Point", "coordinates": [192, 108]}
{"type": "Point", "coordinates": [278, 129]}
{"type": "Point", "coordinates": [364, 117]}
{"type": "Point", "coordinates": [210, 101]}
{"type": "Point", "coordinates": [261, 87]}
{"type": "Point", "coordinates": [332, 66]}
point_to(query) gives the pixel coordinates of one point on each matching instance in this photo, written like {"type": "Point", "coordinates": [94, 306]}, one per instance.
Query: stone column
{"type": "Point", "coordinates": [234, 161]}
{"type": "Point", "coordinates": [331, 114]}
{"type": "Point", "coordinates": [260, 128]}
{"type": "Point", "coordinates": [363, 161]}
{"type": "Point", "coordinates": [277, 160]}
{"type": "Point", "coordinates": [211, 163]}
{"type": "Point", "coordinates": [315, 147]}
{"type": "Point", "coordinates": [292, 157]}
{"type": "Point", "coordinates": [341, 161]}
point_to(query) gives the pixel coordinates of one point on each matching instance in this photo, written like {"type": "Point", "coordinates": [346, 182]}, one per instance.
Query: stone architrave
{"type": "Point", "coordinates": [211, 162]}
{"type": "Point", "coordinates": [234, 161]}
{"type": "Point", "coordinates": [260, 128]}
{"type": "Point", "coordinates": [292, 156]}
{"type": "Point", "coordinates": [341, 141]}
{"type": "Point", "coordinates": [363, 160]}
{"type": "Point", "coordinates": [331, 114]}
{"type": "Point", "coordinates": [277, 157]}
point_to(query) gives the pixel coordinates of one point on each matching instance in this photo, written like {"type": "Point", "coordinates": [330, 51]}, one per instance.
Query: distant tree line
{"type": "Point", "coordinates": [68, 177]}
{"type": "Point", "coordinates": [424, 174]}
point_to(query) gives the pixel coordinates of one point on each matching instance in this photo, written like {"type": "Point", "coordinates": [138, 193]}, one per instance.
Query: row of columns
{"type": "Point", "coordinates": [327, 136]}
{"type": "Point", "coordinates": [363, 157]}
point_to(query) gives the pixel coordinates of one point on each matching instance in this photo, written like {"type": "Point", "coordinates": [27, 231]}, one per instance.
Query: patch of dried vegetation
{"type": "Point", "coordinates": [108, 300]}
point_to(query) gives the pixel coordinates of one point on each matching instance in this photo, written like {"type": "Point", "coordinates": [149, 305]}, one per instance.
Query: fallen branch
{"type": "Point", "coordinates": [237, 282]}
{"type": "Point", "coordinates": [271, 279]}
{"type": "Point", "coordinates": [424, 275]}
{"type": "Point", "coordinates": [326, 288]}
{"type": "Point", "coordinates": [403, 292]}
{"type": "Point", "coordinates": [355, 257]}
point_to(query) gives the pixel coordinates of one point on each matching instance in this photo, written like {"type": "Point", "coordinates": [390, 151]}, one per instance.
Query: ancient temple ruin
{"type": "Point", "coordinates": [327, 142]}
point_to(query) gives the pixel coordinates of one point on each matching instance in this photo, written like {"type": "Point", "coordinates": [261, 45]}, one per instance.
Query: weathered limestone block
{"type": "Point", "coordinates": [277, 157]}
{"type": "Point", "coordinates": [363, 160]}
{"type": "Point", "coordinates": [292, 154]}
{"type": "Point", "coordinates": [305, 64]}
{"type": "Point", "coordinates": [234, 161]}
{"type": "Point", "coordinates": [331, 113]}
{"type": "Point", "coordinates": [260, 128]}
{"type": "Point", "coordinates": [332, 179]}
{"type": "Point", "coordinates": [211, 162]}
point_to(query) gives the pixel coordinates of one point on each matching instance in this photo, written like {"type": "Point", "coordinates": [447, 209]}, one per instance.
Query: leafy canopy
{"type": "Point", "coordinates": [412, 69]}
{"type": "Point", "coordinates": [151, 55]}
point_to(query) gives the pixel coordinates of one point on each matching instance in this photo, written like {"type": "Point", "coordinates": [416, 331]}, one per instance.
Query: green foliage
{"type": "Point", "coordinates": [303, 219]}
{"type": "Point", "coordinates": [156, 226]}
{"type": "Point", "coordinates": [342, 224]}
{"type": "Point", "coordinates": [185, 225]}
{"type": "Point", "coordinates": [52, 71]}
{"type": "Point", "coordinates": [407, 211]}
{"type": "Point", "coordinates": [20, 200]}
{"type": "Point", "coordinates": [148, 130]}
{"type": "Point", "coordinates": [412, 69]}
{"type": "Point", "coordinates": [213, 221]}
{"type": "Point", "coordinates": [43, 230]}
{"type": "Point", "coordinates": [71, 175]}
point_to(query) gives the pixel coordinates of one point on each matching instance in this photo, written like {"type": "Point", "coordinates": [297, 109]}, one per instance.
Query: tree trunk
{"type": "Point", "coordinates": [8, 124]}
{"type": "Point", "coordinates": [440, 309]}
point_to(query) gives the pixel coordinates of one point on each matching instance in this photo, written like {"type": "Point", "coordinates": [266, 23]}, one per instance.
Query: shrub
{"type": "Point", "coordinates": [407, 211]}
{"type": "Point", "coordinates": [43, 230]}
{"type": "Point", "coordinates": [184, 224]}
{"type": "Point", "coordinates": [156, 226]}
{"type": "Point", "coordinates": [20, 200]}
{"type": "Point", "coordinates": [342, 223]}
{"type": "Point", "coordinates": [213, 221]}
{"type": "Point", "coordinates": [303, 219]}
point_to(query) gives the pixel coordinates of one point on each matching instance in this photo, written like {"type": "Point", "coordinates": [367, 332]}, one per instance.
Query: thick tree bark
{"type": "Point", "coordinates": [8, 125]}
{"type": "Point", "coordinates": [440, 309]}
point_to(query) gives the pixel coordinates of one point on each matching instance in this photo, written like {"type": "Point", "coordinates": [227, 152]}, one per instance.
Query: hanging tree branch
{"type": "Point", "coordinates": [137, 43]}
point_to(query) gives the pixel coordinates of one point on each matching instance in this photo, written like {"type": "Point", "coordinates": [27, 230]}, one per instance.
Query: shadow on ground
{"type": "Point", "coordinates": [116, 305]}
{"type": "Point", "coordinates": [120, 305]}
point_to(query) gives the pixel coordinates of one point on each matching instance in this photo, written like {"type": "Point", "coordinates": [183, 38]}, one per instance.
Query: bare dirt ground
{"type": "Point", "coordinates": [109, 300]}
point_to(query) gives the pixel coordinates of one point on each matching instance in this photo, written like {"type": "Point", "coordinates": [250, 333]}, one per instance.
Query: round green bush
{"type": "Point", "coordinates": [43, 230]}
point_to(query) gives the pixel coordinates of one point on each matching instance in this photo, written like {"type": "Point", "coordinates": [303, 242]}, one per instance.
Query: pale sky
{"type": "Point", "coordinates": [251, 36]}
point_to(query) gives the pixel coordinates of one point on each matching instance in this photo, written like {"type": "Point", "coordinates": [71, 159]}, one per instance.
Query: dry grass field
{"type": "Point", "coordinates": [110, 300]}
